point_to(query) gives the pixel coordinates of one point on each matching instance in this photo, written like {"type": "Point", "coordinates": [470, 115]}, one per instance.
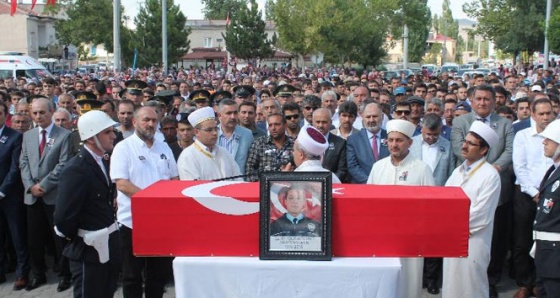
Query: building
{"type": "Point", "coordinates": [208, 45]}
{"type": "Point", "coordinates": [30, 31]}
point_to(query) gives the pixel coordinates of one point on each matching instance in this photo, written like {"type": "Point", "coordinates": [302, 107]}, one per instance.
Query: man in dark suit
{"type": "Point", "coordinates": [44, 152]}
{"type": "Point", "coordinates": [85, 210]}
{"type": "Point", "coordinates": [12, 209]}
{"type": "Point", "coordinates": [334, 159]}
{"type": "Point", "coordinates": [368, 146]}
{"type": "Point", "coordinates": [483, 103]}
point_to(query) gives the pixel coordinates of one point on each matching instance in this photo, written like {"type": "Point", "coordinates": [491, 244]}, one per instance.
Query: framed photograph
{"type": "Point", "coordinates": [295, 216]}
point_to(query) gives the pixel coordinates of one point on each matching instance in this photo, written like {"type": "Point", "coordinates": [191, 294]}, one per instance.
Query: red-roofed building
{"type": "Point", "coordinates": [27, 30]}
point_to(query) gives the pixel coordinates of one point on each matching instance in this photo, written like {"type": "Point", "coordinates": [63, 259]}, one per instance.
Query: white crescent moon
{"type": "Point", "coordinates": [202, 193]}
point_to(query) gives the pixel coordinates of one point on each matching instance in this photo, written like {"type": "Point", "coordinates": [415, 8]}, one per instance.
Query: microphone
{"type": "Point", "coordinates": [251, 173]}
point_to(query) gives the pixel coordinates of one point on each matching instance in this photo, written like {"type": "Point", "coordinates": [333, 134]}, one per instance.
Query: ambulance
{"type": "Point", "coordinates": [15, 65]}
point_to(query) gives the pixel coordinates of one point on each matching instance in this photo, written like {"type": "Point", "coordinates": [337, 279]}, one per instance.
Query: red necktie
{"type": "Point", "coordinates": [374, 147]}
{"type": "Point", "coordinates": [43, 142]}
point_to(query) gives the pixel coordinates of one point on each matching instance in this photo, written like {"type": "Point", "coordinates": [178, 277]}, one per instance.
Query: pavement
{"type": "Point", "coordinates": [506, 289]}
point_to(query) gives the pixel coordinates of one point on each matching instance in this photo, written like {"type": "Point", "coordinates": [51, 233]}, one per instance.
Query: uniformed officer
{"type": "Point", "coordinates": [243, 93]}
{"type": "Point", "coordinates": [85, 211]}
{"type": "Point", "coordinates": [134, 90]}
{"type": "Point", "coordinates": [547, 221]}
{"type": "Point", "coordinates": [86, 104]}
{"type": "Point", "coordinates": [201, 98]}
{"type": "Point", "coordinates": [284, 93]}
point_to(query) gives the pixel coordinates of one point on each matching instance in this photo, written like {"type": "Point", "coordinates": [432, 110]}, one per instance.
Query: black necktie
{"type": "Point", "coordinates": [483, 120]}
{"type": "Point", "coordinates": [295, 221]}
{"type": "Point", "coordinates": [105, 161]}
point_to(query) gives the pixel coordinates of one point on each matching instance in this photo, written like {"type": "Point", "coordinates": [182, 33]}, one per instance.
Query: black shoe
{"type": "Point", "coordinates": [64, 284]}
{"type": "Point", "coordinates": [493, 292]}
{"type": "Point", "coordinates": [35, 283]}
{"type": "Point", "coordinates": [433, 289]}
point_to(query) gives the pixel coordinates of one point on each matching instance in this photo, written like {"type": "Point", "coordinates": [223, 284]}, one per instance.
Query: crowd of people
{"type": "Point", "coordinates": [75, 149]}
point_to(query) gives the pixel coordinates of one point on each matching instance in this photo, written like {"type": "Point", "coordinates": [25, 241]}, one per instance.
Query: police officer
{"type": "Point", "coordinates": [547, 220]}
{"type": "Point", "coordinates": [85, 211]}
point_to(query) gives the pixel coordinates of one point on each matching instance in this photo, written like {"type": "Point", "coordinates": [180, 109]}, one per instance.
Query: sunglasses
{"type": "Point", "coordinates": [290, 117]}
{"type": "Point", "coordinates": [400, 112]}
{"type": "Point", "coordinates": [310, 108]}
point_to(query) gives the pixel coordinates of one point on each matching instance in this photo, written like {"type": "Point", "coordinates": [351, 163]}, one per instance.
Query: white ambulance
{"type": "Point", "coordinates": [17, 65]}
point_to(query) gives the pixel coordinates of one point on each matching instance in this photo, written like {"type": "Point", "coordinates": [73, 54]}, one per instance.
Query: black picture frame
{"type": "Point", "coordinates": [309, 238]}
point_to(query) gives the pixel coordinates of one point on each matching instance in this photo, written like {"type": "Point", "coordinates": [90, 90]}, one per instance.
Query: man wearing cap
{"type": "Point", "coordinates": [530, 166]}
{"type": "Point", "coordinates": [283, 93]}
{"type": "Point", "coordinates": [201, 98]}
{"type": "Point", "coordinates": [205, 159]}
{"type": "Point", "coordinates": [416, 112]}
{"type": "Point", "coordinates": [134, 90]}
{"type": "Point", "coordinates": [234, 138]}
{"type": "Point", "coordinates": [365, 148]}
{"type": "Point", "coordinates": [137, 162]}
{"type": "Point", "coordinates": [243, 93]}
{"type": "Point", "coordinates": [85, 213]}
{"type": "Point", "coordinates": [402, 168]}
{"type": "Point", "coordinates": [483, 104]}
{"type": "Point", "coordinates": [467, 277]}
{"type": "Point", "coordinates": [547, 224]}
{"type": "Point", "coordinates": [309, 150]}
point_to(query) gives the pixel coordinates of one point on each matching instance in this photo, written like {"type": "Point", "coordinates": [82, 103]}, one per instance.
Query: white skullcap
{"type": "Point", "coordinates": [485, 132]}
{"type": "Point", "coordinates": [200, 115]}
{"type": "Point", "coordinates": [402, 126]}
{"type": "Point", "coordinates": [552, 131]}
{"type": "Point", "coordinates": [312, 141]}
{"type": "Point", "coordinates": [536, 88]}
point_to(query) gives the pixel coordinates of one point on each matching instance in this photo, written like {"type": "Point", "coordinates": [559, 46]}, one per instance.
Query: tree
{"type": "Point", "coordinates": [513, 25]}
{"type": "Point", "coordinates": [417, 16]}
{"type": "Point", "coordinates": [219, 9]}
{"type": "Point", "coordinates": [148, 33]}
{"type": "Point", "coordinates": [245, 36]}
{"type": "Point", "coordinates": [554, 31]}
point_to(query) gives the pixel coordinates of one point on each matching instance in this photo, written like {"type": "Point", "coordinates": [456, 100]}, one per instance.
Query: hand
{"type": "Point", "coordinates": [287, 168]}
{"type": "Point", "coordinates": [115, 205]}
{"type": "Point", "coordinates": [37, 190]}
{"type": "Point", "coordinates": [536, 198]}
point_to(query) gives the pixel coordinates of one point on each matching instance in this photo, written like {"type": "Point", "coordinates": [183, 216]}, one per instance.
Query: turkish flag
{"type": "Point", "coordinates": [33, 2]}
{"type": "Point", "coordinates": [13, 7]}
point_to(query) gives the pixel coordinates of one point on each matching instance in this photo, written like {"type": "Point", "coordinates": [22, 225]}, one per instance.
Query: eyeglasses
{"type": "Point", "coordinates": [209, 129]}
{"type": "Point", "coordinates": [310, 108]}
{"type": "Point", "coordinates": [290, 117]}
{"type": "Point", "coordinates": [400, 112]}
{"type": "Point", "coordinates": [470, 143]}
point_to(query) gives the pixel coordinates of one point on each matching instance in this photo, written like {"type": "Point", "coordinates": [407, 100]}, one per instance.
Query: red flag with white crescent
{"type": "Point", "coordinates": [33, 2]}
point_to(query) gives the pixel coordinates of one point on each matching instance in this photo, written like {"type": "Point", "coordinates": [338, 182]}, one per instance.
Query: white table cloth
{"type": "Point", "coordinates": [246, 277]}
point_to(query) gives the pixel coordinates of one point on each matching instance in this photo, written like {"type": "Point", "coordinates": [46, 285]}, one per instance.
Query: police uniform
{"type": "Point", "coordinates": [85, 203]}
{"type": "Point", "coordinates": [303, 226]}
{"type": "Point", "coordinates": [547, 235]}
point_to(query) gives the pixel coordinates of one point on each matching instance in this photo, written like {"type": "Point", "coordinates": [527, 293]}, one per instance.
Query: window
{"type": "Point", "coordinates": [208, 42]}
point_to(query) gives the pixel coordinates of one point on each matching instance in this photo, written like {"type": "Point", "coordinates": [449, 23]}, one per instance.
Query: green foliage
{"type": "Point", "coordinates": [148, 33]}
{"type": "Point", "coordinates": [246, 37]}
{"type": "Point", "coordinates": [417, 16]}
{"type": "Point", "coordinates": [344, 30]}
{"type": "Point", "coordinates": [554, 31]}
{"type": "Point", "coordinates": [513, 25]}
{"type": "Point", "coordinates": [219, 9]}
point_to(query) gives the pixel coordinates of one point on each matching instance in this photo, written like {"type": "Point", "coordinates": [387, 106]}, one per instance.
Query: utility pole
{"type": "Point", "coordinates": [405, 46]}
{"type": "Point", "coordinates": [546, 52]}
{"type": "Point", "coordinates": [444, 50]}
{"type": "Point", "coordinates": [117, 35]}
{"type": "Point", "coordinates": [164, 34]}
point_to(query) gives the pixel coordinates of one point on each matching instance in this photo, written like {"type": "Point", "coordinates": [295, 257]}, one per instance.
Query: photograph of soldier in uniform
{"type": "Point", "coordinates": [295, 222]}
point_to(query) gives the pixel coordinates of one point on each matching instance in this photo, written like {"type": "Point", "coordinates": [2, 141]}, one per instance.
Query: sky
{"type": "Point", "coordinates": [193, 8]}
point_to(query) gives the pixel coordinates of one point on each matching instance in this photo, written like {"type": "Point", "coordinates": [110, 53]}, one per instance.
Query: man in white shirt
{"type": "Point", "coordinates": [467, 277]}
{"type": "Point", "coordinates": [402, 168]}
{"type": "Point", "coordinates": [204, 160]}
{"type": "Point", "coordinates": [529, 165]}
{"type": "Point", "coordinates": [137, 162]}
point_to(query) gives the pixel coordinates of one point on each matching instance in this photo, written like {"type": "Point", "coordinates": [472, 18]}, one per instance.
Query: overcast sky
{"type": "Point", "coordinates": [193, 8]}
